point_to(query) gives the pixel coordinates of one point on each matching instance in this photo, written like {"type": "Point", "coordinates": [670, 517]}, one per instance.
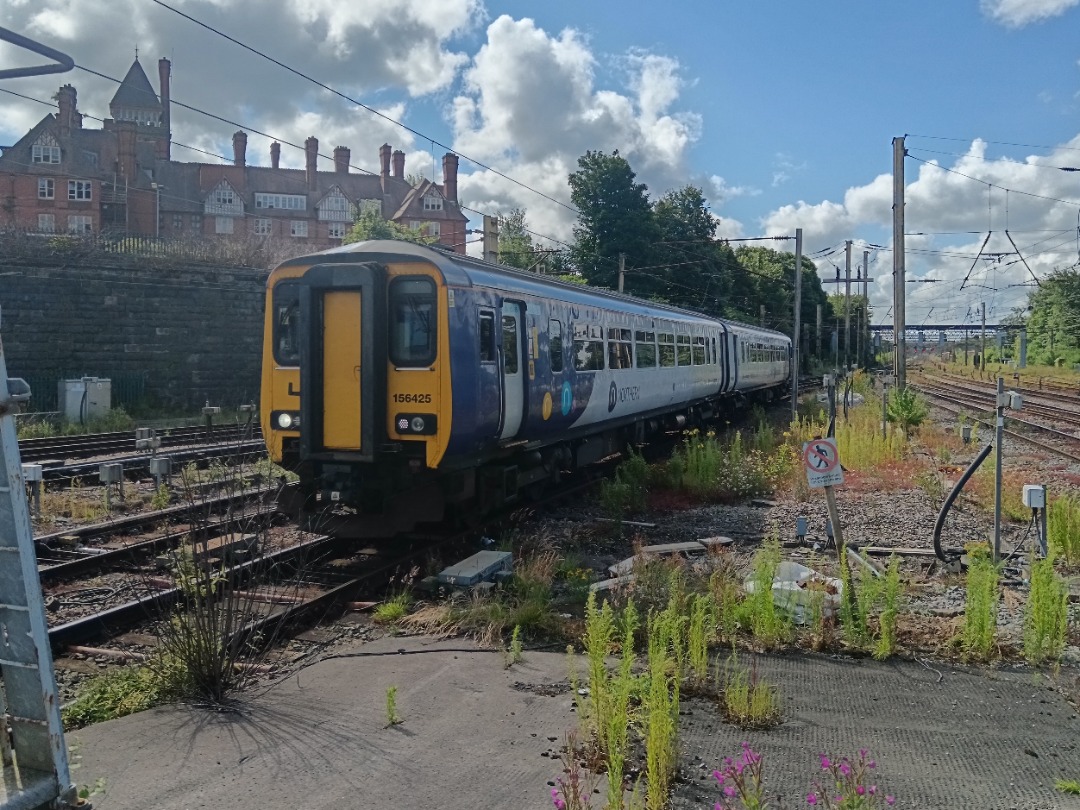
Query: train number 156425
{"type": "Point", "coordinates": [420, 399]}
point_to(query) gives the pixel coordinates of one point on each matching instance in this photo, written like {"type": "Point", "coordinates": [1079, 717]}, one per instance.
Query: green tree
{"type": "Point", "coordinates": [698, 269]}
{"type": "Point", "coordinates": [614, 216]}
{"type": "Point", "coordinates": [371, 225]}
{"type": "Point", "coordinates": [515, 244]}
{"type": "Point", "coordinates": [1053, 325]}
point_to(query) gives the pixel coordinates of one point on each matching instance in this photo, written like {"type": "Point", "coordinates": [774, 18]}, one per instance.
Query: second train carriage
{"type": "Point", "coordinates": [398, 379]}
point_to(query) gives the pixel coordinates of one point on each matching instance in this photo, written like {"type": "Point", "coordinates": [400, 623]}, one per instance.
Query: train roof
{"type": "Point", "coordinates": [463, 270]}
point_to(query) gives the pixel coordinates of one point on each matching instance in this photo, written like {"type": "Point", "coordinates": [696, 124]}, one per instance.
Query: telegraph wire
{"type": "Point", "coordinates": [992, 185]}
{"type": "Point", "coordinates": [358, 103]}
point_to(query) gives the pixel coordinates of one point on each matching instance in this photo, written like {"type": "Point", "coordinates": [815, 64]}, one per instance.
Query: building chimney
{"type": "Point", "coordinates": [399, 164]}
{"type": "Point", "coordinates": [164, 71]}
{"type": "Point", "coordinates": [66, 101]}
{"type": "Point", "coordinates": [275, 154]}
{"type": "Point", "coordinates": [126, 137]}
{"type": "Point", "coordinates": [449, 173]}
{"type": "Point", "coordinates": [311, 148]}
{"type": "Point", "coordinates": [384, 160]}
{"type": "Point", "coordinates": [342, 156]}
{"type": "Point", "coordinates": [239, 148]}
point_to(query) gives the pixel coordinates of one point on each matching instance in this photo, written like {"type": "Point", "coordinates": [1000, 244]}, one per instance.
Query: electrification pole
{"type": "Point", "coordinates": [899, 321]}
{"type": "Point", "coordinates": [622, 270]}
{"type": "Point", "coordinates": [847, 307]}
{"type": "Point", "coordinates": [982, 347]}
{"type": "Point", "coordinates": [795, 331]}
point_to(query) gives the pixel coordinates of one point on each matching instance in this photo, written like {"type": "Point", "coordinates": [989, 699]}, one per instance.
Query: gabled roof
{"type": "Point", "coordinates": [135, 91]}
{"type": "Point", "coordinates": [412, 204]}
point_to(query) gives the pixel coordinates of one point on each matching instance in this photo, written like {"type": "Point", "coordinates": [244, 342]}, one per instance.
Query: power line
{"type": "Point", "coordinates": [993, 185]}
{"type": "Point", "coordinates": [996, 143]}
{"type": "Point", "coordinates": [358, 103]}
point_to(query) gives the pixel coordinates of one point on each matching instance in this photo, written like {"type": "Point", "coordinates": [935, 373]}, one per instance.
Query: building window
{"type": "Point", "coordinates": [196, 222]}
{"type": "Point", "coordinates": [335, 207]}
{"type": "Point", "coordinates": [46, 150]}
{"type": "Point", "coordinates": [337, 230]}
{"type": "Point", "coordinates": [90, 157]}
{"type": "Point", "coordinates": [46, 188]}
{"type": "Point", "coordinates": [263, 226]}
{"type": "Point", "coordinates": [223, 224]}
{"type": "Point", "coordinates": [290, 202]}
{"type": "Point", "coordinates": [79, 190]}
{"type": "Point", "coordinates": [432, 202]}
{"type": "Point", "coordinates": [432, 229]}
{"type": "Point", "coordinates": [178, 222]}
{"type": "Point", "coordinates": [298, 227]}
{"type": "Point", "coordinates": [80, 224]}
{"type": "Point", "coordinates": [46, 223]}
{"type": "Point", "coordinates": [223, 196]}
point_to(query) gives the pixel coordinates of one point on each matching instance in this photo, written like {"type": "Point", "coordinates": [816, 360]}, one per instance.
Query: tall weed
{"type": "Point", "coordinates": [1046, 614]}
{"type": "Point", "coordinates": [981, 608]}
{"type": "Point", "coordinates": [1063, 528]}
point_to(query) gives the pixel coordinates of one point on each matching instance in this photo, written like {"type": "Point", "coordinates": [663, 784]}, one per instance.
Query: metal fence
{"type": "Point", "coordinates": [128, 390]}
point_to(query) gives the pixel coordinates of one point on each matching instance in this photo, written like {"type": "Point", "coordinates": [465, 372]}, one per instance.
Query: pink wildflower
{"type": "Point", "coordinates": [890, 800]}
{"type": "Point", "coordinates": [811, 798]}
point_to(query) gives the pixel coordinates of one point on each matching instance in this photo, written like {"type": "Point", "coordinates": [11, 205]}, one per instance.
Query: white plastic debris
{"type": "Point", "coordinates": [794, 588]}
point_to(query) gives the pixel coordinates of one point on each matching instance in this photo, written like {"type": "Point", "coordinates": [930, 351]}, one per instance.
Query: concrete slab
{"type": "Point", "coordinates": [689, 547]}
{"type": "Point", "coordinates": [615, 582]}
{"type": "Point", "coordinates": [477, 735]}
{"type": "Point", "coordinates": [477, 568]}
{"type": "Point", "coordinates": [474, 735]}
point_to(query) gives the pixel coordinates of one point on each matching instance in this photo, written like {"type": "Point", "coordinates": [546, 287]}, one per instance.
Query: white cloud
{"type": "Point", "coordinates": [530, 106]}
{"type": "Point", "coordinates": [1018, 13]}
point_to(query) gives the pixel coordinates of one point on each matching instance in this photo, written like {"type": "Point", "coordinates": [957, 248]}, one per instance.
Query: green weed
{"type": "Point", "coordinates": [116, 693]}
{"type": "Point", "coordinates": [1045, 614]}
{"type": "Point", "coordinates": [662, 708]}
{"type": "Point", "coordinates": [394, 609]}
{"type": "Point", "coordinates": [712, 470]}
{"type": "Point", "coordinates": [981, 608]}
{"type": "Point", "coordinates": [598, 640]}
{"type": "Point", "coordinates": [392, 716]}
{"type": "Point", "coordinates": [161, 498]}
{"type": "Point", "coordinates": [700, 633]}
{"type": "Point", "coordinates": [514, 652]}
{"type": "Point", "coordinates": [749, 701]}
{"type": "Point", "coordinates": [1063, 528]}
{"type": "Point", "coordinates": [1070, 786]}
{"type": "Point", "coordinates": [906, 408]}
{"type": "Point", "coordinates": [886, 641]}
{"type": "Point", "coordinates": [769, 625]}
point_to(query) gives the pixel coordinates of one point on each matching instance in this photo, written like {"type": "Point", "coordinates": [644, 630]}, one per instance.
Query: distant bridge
{"type": "Point", "coordinates": [887, 328]}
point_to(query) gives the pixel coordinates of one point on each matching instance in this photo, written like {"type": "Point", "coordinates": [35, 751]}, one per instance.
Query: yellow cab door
{"type": "Point", "coordinates": [342, 369]}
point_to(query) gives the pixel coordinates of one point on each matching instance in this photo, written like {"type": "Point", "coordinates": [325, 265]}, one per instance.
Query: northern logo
{"type": "Point", "coordinates": [612, 397]}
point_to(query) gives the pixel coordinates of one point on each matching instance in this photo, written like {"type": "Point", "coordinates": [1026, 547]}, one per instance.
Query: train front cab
{"type": "Point", "coordinates": [370, 392]}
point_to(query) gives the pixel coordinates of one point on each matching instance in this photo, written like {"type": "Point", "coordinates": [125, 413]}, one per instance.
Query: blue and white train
{"type": "Point", "coordinates": [399, 380]}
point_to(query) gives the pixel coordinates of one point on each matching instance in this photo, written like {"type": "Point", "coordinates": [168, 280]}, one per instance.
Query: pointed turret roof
{"type": "Point", "coordinates": [135, 92]}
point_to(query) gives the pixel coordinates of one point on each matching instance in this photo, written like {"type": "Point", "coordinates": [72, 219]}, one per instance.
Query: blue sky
{"type": "Point", "coordinates": [783, 112]}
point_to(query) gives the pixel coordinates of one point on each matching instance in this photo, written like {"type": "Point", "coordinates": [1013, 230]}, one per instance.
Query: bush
{"type": "Point", "coordinates": [906, 408]}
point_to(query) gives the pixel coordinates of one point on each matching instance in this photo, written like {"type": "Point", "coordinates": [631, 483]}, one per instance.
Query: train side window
{"type": "Point", "coordinates": [487, 336]}
{"type": "Point", "coordinates": [555, 345]}
{"type": "Point", "coordinates": [683, 353]}
{"type": "Point", "coordinates": [712, 343]}
{"type": "Point", "coordinates": [645, 349]}
{"type": "Point", "coordinates": [588, 348]}
{"type": "Point", "coordinates": [699, 351]}
{"type": "Point", "coordinates": [287, 323]}
{"type": "Point", "coordinates": [412, 321]}
{"type": "Point", "coordinates": [510, 344]}
{"type": "Point", "coordinates": [667, 350]}
{"type": "Point", "coordinates": [619, 355]}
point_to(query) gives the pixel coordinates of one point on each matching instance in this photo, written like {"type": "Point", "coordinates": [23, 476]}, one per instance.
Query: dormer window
{"type": "Point", "coordinates": [46, 150]}
{"type": "Point", "coordinates": [223, 201]}
{"type": "Point", "coordinates": [432, 202]}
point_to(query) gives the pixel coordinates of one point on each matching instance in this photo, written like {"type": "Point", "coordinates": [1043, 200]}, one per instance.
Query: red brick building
{"type": "Point", "coordinates": [62, 177]}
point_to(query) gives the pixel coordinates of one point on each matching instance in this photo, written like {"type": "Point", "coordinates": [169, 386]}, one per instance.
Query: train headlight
{"type": "Point", "coordinates": [415, 424]}
{"type": "Point", "coordinates": [286, 420]}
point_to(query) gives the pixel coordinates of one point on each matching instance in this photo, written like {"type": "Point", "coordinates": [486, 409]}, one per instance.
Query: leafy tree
{"type": "Point", "coordinates": [614, 217]}
{"type": "Point", "coordinates": [698, 271]}
{"type": "Point", "coordinates": [371, 225]}
{"type": "Point", "coordinates": [515, 244]}
{"type": "Point", "coordinates": [1054, 323]}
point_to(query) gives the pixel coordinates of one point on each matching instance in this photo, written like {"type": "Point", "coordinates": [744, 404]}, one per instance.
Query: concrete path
{"type": "Point", "coordinates": [475, 736]}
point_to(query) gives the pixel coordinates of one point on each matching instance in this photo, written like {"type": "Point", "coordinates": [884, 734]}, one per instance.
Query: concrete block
{"type": "Point", "coordinates": [608, 584]}
{"type": "Point", "coordinates": [689, 547]}
{"type": "Point", "coordinates": [716, 542]}
{"type": "Point", "coordinates": [479, 567]}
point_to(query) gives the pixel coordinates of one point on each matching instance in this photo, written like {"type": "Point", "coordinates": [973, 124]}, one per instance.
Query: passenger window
{"type": "Point", "coordinates": [555, 345]}
{"type": "Point", "coordinates": [645, 349]}
{"type": "Point", "coordinates": [487, 337]}
{"type": "Point", "coordinates": [510, 344]}
{"type": "Point", "coordinates": [412, 321]}
{"type": "Point", "coordinates": [667, 350]}
{"type": "Point", "coordinates": [699, 351]}
{"type": "Point", "coordinates": [683, 343]}
{"type": "Point", "coordinates": [619, 349]}
{"type": "Point", "coordinates": [287, 323]}
{"type": "Point", "coordinates": [588, 348]}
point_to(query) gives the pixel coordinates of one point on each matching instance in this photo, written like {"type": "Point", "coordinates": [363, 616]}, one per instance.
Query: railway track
{"type": "Point", "coordinates": [950, 401]}
{"type": "Point", "coordinates": [68, 448]}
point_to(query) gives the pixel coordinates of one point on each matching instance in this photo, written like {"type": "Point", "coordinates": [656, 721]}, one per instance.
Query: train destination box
{"type": "Point", "coordinates": [822, 463]}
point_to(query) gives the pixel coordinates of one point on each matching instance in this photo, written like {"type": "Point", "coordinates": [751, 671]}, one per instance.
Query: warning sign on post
{"type": "Point", "coordinates": [822, 463]}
